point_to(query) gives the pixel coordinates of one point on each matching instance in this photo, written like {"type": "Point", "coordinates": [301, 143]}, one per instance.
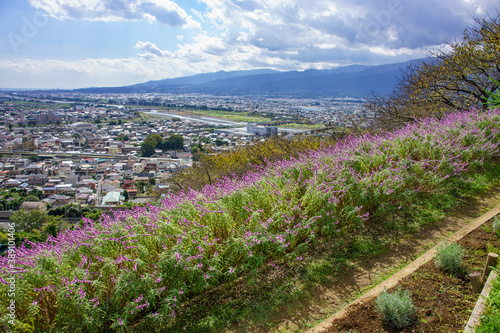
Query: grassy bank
{"type": "Point", "coordinates": [239, 249]}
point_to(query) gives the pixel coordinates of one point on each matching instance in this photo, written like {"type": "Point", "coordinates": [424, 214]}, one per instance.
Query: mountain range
{"type": "Point", "coordinates": [356, 81]}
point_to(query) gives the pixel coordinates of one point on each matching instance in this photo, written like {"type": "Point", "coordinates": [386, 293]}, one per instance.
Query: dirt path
{"type": "Point", "coordinates": [329, 299]}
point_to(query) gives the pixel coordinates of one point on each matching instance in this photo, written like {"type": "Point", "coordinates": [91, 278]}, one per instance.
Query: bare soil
{"type": "Point", "coordinates": [444, 301]}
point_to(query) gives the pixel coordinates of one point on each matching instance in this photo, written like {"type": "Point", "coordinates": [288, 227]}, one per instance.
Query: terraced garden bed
{"type": "Point", "coordinates": [444, 302]}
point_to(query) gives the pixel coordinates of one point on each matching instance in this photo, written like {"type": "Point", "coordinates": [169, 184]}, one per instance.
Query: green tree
{"type": "Point", "coordinates": [33, 219]}
{"type": "Point", "coordinates": [125, 195]}
{"type": "Point", "coordinates": [31, 198]}
{"type": "Point", "coordinates": [34, 158]}
{"type": "Point", "coordinates": [93, 214]}
{"type": "Point", "coordinates": [157, 139]}
{"type": "Point", "coordinates": [152, 181]}
{"type": "Point", "coordinates": [147, 148]}
{"type": "Point", "coordinates": [174, 142]}
{"type": "Point", "coordinates": [219, 142]}
{"type": "Point", "coordinates": [463, 75]}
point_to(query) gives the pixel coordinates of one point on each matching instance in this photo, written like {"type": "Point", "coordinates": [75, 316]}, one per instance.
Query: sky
{"type": "Point", "coordinates": [65, 44]}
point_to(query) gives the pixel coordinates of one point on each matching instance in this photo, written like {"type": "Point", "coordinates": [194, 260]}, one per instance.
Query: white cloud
{"type": "Point", "coordinates": [163, 11]}
{"type": "Point", "coordinates": [390, 26]}
{"type": "Point", "coordinates": [245, 34]}
{"type": "Point", "coordinates": [152, 49]}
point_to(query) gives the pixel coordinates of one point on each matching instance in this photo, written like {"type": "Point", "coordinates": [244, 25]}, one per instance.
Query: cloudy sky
{"type": "Point", "coordinates": [83, 43]}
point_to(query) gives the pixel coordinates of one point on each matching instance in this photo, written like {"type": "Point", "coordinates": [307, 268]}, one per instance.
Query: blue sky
{"type": "Point", "coordinates": [81, 43]}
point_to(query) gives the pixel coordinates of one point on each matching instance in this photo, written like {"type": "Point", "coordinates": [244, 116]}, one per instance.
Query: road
{"type": "Point", "coordinates": [98, 192]}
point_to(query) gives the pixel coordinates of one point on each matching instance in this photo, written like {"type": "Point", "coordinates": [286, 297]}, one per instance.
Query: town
{"type": "Point", "coordinates": [89, 149]}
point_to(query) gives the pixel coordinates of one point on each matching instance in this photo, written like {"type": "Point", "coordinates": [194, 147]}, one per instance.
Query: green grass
{"type": "Point", "coordinates": [301, 126]}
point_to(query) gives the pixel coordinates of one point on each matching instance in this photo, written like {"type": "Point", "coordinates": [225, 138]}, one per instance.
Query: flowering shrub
{"type": "Point", "coordinates": [142, 264]}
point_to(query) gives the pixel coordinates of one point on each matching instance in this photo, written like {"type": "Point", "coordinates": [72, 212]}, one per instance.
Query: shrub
{"type": "Point", "coordinates": [449, 257]}
{"type": "Point", "coordinates": [396, 309]}
{"type": "Point", "coordinates": [496, 225]}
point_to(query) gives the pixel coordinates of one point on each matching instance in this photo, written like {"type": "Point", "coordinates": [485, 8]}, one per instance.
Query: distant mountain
{"type": "Point", "coordinates": [351, 81]}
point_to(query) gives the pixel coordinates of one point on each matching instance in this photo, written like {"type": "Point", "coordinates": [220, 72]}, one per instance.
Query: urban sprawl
{"type": "Point", "coordinates": [86, 149]}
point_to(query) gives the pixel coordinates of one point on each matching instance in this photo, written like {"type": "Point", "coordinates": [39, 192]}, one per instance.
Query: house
{"type": "Point", "coordinates": [107, 188]}
{"type": "Point", "coordinates": [57, 200]}
{"type": "Point", "coordinates": [49, 190]}
{"type": "Point", "coordinates": [71, 179]}
{"type": "Point", "coordinates": [151, 166]}
{"type": "Point", "coordinates": [11, 183]}
{"type": "Point", "coordinates": [137, 168]}
{"type": "Point", "coordinates": [33, 169]}
{"type": "Point", "coordinates": [38, 180]}
{"type": "Point", "coordinates": [128, 174]}
{"type": "Point", "coordinates": [113, 198]}
{"type": "Point", "coordinates": [115, 183]}
{"type": "Point", "coordinates": [66, 189]}
{"type": "Point", "coordinates": [132, 191]}
{"type": "Point", "coordinates": [82, 198]}
{"type": "Point", "coordinates": [32, 205]}
{"type": "Point", "coordinates": [84, 190]}
{"type": "Point", "coordinates": [128, 184]}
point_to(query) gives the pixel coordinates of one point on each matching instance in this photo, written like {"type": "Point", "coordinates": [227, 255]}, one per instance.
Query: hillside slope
{"type": "Point", "coordinates": [142, 269]}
